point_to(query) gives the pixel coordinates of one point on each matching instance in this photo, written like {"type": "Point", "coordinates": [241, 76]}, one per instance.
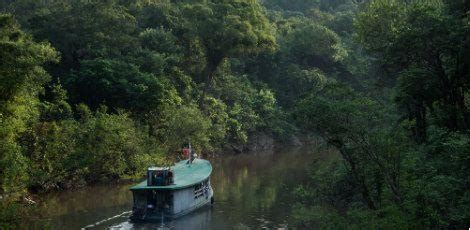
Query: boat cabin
{"type": "Point", "coordinates": [173, 192]}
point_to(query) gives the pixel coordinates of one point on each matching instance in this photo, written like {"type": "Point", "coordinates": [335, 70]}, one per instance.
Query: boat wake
{"type": "Point", "coordinates": [106, 220]}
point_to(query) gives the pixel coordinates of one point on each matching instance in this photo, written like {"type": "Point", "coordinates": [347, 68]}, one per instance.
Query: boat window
{"type": "Point", "coordinates": [198, 191]}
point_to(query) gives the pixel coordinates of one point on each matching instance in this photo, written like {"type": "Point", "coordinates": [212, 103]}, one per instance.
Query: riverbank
{"type": "Point", "coordinates": [29, 204]}
{"type": "Point", "coordinates": [251, 190]}
{"type": "Point", "coordinates": [265, 142]}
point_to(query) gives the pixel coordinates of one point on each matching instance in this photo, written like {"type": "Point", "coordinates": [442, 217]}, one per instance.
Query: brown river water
{"type": "Point", "coordinates": [251, 191]}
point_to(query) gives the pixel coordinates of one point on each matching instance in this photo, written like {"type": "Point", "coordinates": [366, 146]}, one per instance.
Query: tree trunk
{"type": "Point", "coordinates": [359, 179]}
{"type": "Point", "coordinates": [211, 69]}
{"type": "Point", "coordinates": [452, 97]}
{"type": "Point", "coordinates": [390, 174]}
{"type": "Point", "coordinates": [421, 124]}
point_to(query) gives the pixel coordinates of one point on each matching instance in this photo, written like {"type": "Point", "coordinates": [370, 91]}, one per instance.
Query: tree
{"type": "Point", "coordinates": [120, 85]}
{"type": "Point", "coordinates": [354, 124]}
{"type": "Point", "coordinates": [21, 79]}
{"type": "Point", "coordinates": [228, 29]}
{"type": "Point", "coordinates": [83, 29]}
{"type": "Point", "coordinates": [421, 40]}
{"type": "Point", "coordinates": [309, 53]}
{"type": "Point", "coordinates": [181, 124]}
{"type": "Point", "coordinates": [296, 5]}
{"type": "Point", "coordinates": [313, 45]}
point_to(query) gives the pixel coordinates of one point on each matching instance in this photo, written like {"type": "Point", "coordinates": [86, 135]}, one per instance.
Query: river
{"type": "Point", "coordinates": [252, 190]}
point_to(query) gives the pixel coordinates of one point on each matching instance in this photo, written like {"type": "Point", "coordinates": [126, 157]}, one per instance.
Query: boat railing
{"type": "Point", "coordinates": [198, 193]}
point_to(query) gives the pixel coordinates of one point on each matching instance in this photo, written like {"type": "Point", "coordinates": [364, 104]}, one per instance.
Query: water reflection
{"type": "Point", "coordinates": [250, 191]}
{"type": "Point", "coordinates": [199, 219]}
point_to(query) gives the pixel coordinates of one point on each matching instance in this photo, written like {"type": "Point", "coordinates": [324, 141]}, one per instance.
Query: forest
{"type": "Point", "coordinates": [97, 90]}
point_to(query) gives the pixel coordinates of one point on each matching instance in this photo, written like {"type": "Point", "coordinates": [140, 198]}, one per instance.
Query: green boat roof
{"type": "Point", "coordinates": [185, 175]}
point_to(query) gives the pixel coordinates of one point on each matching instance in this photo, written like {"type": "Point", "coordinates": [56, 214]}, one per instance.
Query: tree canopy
{"type": "Point", "coordinates": [93, 91]}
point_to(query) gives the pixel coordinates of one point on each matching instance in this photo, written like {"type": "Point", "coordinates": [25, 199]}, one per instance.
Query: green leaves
{"type": "Point", "coordinates": [377, 26]}
{"type": "Point", "coordinates": [337, 111]}
{"type": "Point", "coordinates": [437, 180]}
{"type": "Point", "coordinates": [422, 43]}
{"type": "Point", "coordinates": [21, 60]}
{"type": "Point", "coordinates": [182, 124]}
{"type": "Point", "coordinates": [402, 183]}
{"type": "Point", "coordinates": [313, 45]}
{"type": "Point", "coordinates": [228, 29]}
{"type": "Point", "coordinates": [102, 146]}
{"type": "Point", "coordinates": [120, 85]}
{"type": "Point", "coordinates": [85, 29]}
{"type": "Point", "coordinates": [21, 79]}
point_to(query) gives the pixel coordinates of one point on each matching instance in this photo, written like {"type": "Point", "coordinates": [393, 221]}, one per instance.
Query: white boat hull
{"type": "Point", "coordinates": [177, 202]}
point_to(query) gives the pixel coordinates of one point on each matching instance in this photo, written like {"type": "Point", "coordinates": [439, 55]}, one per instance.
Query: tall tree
{"type": "Point", "coordinates": [426, 44]}
{"type": "Point", "coordinates": [83, 29]}
{"type": "Point", "coordinates": [228, 28]}
{"type": "Point", "coordinates": [354, 124]}
{"type": "Point", "coordinates": [21, 78]}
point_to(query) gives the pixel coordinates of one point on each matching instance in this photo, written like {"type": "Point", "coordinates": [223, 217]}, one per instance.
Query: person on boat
{"type": "Point", "coordinates": [192, 154]}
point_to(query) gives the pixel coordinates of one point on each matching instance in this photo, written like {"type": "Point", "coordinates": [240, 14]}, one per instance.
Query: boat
{"type": "Point", "coordinates": [171, 192]}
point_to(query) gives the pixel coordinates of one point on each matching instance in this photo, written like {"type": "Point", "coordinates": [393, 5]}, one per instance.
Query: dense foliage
{"type": "Point", "coordinates": [97, 90]}
{"type": "Point", "coordinates": [403, 138]}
